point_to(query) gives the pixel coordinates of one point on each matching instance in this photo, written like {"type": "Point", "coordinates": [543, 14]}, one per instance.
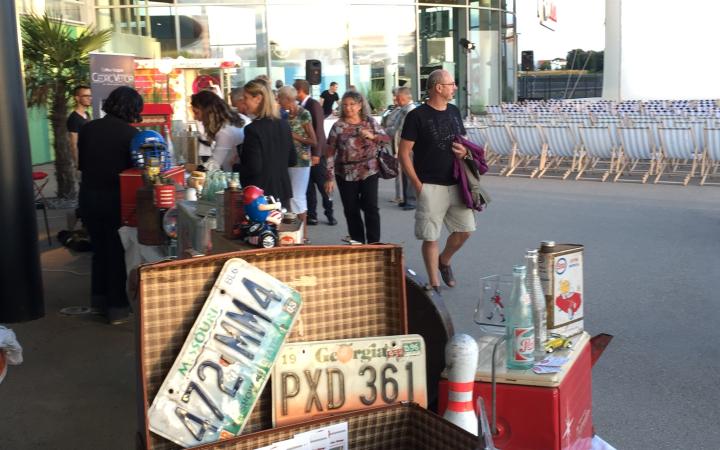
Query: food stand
{"type": "Point", "coordinates": [173, 80]}
{"type": "Point", "coordinates": [348, 355]}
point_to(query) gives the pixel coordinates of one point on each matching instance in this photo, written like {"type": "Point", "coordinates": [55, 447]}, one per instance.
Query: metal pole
{"type": "Point", "coordinates": [20, 277]}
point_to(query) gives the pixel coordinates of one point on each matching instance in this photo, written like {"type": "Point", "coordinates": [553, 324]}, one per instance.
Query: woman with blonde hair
{"type": "Point", "coordinates": [223, 129]}
{"type": "Point", "coordinates": [352, 147]}
{"type": "Point", "coordinates": [268, 149]}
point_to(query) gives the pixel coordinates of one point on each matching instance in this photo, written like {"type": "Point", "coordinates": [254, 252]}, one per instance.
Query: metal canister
{"type": "Point", "coordinates": [149, 218]}
{"type": "Point", "coordinates": [164, 196]}
{"type": "Point", "coordinates": [234, 211]}
{"type": "Point", "coordinates": [561, 274]}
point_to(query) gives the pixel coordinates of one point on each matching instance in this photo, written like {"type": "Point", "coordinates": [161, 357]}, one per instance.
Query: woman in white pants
{"type": "Point", "coordinates": [303, 137]}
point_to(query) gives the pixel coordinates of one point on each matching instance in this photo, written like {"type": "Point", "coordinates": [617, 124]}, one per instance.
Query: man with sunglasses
{"type": "Point", "coordinates": [429, 133]}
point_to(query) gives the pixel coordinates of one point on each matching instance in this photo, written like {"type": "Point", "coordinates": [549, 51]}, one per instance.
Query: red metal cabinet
{"type": "Point", "coordinates": [130, 181]}
{"type": "Point", "coordinates": [540, 412]}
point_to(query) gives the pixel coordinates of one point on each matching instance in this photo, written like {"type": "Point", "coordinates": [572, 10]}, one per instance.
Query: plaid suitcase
{"type": "Point", "coordinates": [348, 291]}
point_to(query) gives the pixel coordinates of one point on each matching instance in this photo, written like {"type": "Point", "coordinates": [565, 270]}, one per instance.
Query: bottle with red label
{"type": "Point", "coordinates": [520, 329]}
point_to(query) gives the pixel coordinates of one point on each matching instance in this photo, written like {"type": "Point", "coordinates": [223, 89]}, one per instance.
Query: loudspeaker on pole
{"type": "Point", "coordinates": [313, 71]}
{"type": "Point", "coordinates": [527, 61]}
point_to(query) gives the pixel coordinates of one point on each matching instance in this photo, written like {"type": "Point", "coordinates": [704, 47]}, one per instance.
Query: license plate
{"type": "Point", "coordinates": [226, 359]}
{"type": "Point", "coordinates": [316, 379]}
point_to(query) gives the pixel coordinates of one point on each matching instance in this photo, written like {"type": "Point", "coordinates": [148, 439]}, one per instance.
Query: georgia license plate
{"type": "Point", "coordinates": [315, 379]}
{"type": "Point", "coordinates": [226, 359]}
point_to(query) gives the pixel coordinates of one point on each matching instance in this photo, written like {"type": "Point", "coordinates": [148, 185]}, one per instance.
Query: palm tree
{"type": "Point", "coordinates": [55, 60]}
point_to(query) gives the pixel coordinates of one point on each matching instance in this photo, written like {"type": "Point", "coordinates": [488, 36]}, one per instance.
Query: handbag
{"type": "Point", "coordinates": [388, 167]}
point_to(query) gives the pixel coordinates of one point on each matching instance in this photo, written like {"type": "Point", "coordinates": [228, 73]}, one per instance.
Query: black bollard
{"type": "Point", "coordinates": [20, 277]}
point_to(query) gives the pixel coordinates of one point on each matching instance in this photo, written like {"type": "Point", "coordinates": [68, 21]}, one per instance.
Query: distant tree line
{"type": "Point", "coordinates": [578, 59]}
{"type": "Point", "coordinates": [591, 60]}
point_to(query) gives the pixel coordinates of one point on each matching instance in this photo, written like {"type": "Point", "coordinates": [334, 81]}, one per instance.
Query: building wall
{"type": "Point", "coordinates": [661, 49]}
{"type": "Point", "coordinates": [40, 136]}
{"type": "Point", "coordinates": [372, 44]}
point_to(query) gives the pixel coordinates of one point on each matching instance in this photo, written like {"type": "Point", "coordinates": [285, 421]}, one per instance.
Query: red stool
{"type": "Point", "coordinates": [40, 180]}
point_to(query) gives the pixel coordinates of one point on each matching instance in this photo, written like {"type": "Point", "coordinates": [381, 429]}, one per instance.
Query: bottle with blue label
{"type": "Point", "coordinates": [520, 329]}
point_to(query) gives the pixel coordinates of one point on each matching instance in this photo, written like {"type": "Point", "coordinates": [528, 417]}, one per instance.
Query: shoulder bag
{"type": "Point", "coordinates": [388, 167]}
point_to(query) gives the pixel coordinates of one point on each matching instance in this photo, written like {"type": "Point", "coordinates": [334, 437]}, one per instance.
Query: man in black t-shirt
{"type": "Point", "coordinates": [328, 99]}
{"type": "Point", "coordinates": [429, 132]}
{"type": "Point", "coordinates": [78, 117]}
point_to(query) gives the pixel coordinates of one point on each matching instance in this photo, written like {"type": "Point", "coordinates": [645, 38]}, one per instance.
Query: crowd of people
{"type": "Point", "coordinates": [276, 140]}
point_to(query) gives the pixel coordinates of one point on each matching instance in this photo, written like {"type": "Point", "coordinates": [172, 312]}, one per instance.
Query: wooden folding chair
{"type": "Point", "coordinates": [476, 135]}
{"type": "Point", "coordinates": [530, 147]}
{"type": "Point", "coordinates": [679, 154]}
{"type": "Point", "coordinates": [711, 157]}
{"type": "Point", "coordinates": [40, 180]}
{"type": "Point", "coordinates": [601, 152]}
{"type": "Point", "coordinates": [639, 154]}
{"type": "Point", "coordinates": [499, 149]}
{"type": "Point", "coordinates": [612, 123]}
{"type": "Point", "coordinates": [563, 150]}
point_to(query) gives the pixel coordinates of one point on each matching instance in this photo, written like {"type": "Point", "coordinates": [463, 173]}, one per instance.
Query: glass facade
{"type": "Point", "coordinates": [374, 45]}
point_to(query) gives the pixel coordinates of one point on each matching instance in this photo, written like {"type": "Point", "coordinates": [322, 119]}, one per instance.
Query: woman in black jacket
{"type": "Point", "coordinates": [104, 152]}
{"type": "Point", "coordinates": [268, 148]}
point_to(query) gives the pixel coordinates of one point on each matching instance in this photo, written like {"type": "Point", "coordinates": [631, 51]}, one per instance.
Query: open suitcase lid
{"type": "Point", "coordinates": [347, 292]}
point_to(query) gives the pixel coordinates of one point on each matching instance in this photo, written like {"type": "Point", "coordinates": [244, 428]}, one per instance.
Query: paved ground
{"type": "Point", "coordinates": [651, 279]}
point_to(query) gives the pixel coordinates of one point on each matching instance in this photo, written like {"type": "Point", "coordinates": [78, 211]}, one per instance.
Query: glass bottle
{"type": "Point", "coordinates": [520, 330]}
{"type": "Point", "coordinates": [537, 297]}
{"type": "Point", "coordinates": [233, 211]}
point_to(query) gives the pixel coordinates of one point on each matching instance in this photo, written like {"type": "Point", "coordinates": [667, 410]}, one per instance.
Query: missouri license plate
{"type": "Point", "coordinates": [225, 362]}
{"type": "Point", "coordinates": [315, 379]}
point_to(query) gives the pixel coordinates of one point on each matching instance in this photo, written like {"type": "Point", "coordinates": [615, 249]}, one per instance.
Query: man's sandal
{"type": "Point", "coordinates": [446, 274]}
{"type": "Point", "coordinates": [430, 288]}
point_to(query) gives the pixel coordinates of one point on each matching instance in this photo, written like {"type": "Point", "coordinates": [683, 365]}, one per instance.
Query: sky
{"type": "Point", "coordinates": [580, 24]}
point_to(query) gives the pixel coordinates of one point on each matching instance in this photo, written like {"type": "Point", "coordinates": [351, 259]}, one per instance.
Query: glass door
{"type": "Point", "coordinates": [437, 38]}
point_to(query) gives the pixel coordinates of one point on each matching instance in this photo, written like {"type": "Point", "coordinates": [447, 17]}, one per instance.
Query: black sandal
{"type": "Point", "coordinates": [446, 274]}
{"type": "Point", "coordinates": [430, 288]}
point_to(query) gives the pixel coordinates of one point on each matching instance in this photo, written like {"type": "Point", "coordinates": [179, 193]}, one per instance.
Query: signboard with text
{"type": "Point", "coordinates": [107, 72]}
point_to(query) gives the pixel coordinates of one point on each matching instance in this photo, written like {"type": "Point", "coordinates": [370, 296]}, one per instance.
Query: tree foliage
{"type": "Point", "coordinates": [591, 60]}
{"type": "Point", "coordinates": [55, 59]}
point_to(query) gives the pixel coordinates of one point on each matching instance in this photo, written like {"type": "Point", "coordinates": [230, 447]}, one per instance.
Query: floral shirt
{"type": "Point", "coordinates": [351, 156]}
{"type": "Point", "coordinates": [297, 126]}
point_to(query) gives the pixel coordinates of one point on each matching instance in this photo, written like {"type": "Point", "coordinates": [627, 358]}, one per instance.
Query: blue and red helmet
{"type": "Point", "coordinates": [150, 144]}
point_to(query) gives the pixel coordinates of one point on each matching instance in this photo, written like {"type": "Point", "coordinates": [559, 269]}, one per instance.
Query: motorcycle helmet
{"type": "Point", "coordinates": [253, 198]}
{"type": "Point", "coordinates": [250, 193]}
{"type": "Point", "coordinates": [147, 145]}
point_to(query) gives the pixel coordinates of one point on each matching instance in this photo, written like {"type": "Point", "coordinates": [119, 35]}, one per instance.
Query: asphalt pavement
{"type": "Point", "coordinates": [652, 277]}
